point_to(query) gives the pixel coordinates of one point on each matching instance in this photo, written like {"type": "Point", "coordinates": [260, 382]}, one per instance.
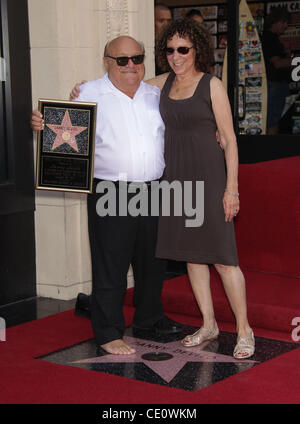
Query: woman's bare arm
{"type": "Point", "coordinates": [222, 111]}
{"type": "Point", "coordinates": [158, 81]}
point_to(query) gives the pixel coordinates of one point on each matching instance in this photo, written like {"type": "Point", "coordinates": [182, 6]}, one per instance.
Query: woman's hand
{"type": "Point", "coordinates": [231, 205]}
{"type": "Point", "coordinates": [37, 122]}
{"type": "Point", "coordinates": [76, 90]}
{"type": "Point", "coordinates": [219, 140]}
{"type": "Point", "coordinates": [227, 140]}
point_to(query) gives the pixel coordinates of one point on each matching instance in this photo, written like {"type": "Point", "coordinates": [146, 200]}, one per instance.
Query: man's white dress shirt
{"type": "Point", "coordinates": [129, 132]}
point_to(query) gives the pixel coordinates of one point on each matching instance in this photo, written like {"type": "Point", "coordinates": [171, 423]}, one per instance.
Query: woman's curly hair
{"type": "Point", "coordinates": [199, 37]}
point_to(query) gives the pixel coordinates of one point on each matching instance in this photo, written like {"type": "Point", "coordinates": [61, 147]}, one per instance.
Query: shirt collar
{"type": "Point", "coordinates": [139, 91]}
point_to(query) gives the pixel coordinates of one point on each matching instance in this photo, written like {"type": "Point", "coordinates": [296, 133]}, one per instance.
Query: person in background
{"type": "Point", "coordinates": [278, 66]}
{"type": "Point", "coordinates": [162, 17]}
{"type": "Point", "coordinates": [196, 15]}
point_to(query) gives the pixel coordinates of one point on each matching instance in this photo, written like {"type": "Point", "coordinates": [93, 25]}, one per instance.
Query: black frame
{"type": "Point", "coordinates": [82, 165]}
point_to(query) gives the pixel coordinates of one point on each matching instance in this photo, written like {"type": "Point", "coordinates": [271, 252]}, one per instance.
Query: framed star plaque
{"type": "Point", "coordinates": [66, 146]}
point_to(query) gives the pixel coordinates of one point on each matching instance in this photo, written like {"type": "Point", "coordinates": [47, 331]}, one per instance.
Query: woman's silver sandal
{"type": "Point", "coordinates": [198, 337]}
{"type": "Point", "coordinates": [245, 347]}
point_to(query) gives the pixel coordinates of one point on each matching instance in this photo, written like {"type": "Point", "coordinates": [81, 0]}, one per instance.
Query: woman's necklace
{"type": "Point", "coordinates": [181, 86]}
{"type": "Point", "coordinates": [177, 89]}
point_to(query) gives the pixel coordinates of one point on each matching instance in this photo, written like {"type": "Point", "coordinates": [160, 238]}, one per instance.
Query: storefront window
{"type": "Point", "coordinates": [278, 25]}
{"type": "Point", "coordinates": [262, 72]}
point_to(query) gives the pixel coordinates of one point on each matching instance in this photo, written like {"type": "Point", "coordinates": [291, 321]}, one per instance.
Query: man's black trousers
{"type": "Point", "coordinates": [116, 242]}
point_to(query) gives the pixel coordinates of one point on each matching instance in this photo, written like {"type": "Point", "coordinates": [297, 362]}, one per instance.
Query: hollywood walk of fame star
{"type": "Point", "coordinates": [66, 133]}
{"type": "Point", "coordinates": [168, 369]}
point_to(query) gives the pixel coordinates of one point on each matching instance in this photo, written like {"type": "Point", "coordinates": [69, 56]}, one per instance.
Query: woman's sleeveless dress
{"type": "Point", "coordinates": [192, 154]}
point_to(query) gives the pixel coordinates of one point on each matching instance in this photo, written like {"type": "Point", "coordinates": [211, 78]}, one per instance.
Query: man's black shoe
{"type": "Point", "coordinates": [100, 351]}
{"type": "Point", "coordinates": [82, 307]}
{"type": "Point", "coordinates": [164, 325]}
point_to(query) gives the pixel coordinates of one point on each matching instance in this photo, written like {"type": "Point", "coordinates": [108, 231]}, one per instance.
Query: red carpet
{"type": "Point", "coordinates": [25, 380]}
{"type": "Point", "coordinates": [268, 238]}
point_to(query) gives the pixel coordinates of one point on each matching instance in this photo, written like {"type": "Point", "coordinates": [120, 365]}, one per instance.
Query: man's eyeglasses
{"type": "Point", "coordinates": [123, 60]}
{"type": "Point", "coordinates": [181, 50]}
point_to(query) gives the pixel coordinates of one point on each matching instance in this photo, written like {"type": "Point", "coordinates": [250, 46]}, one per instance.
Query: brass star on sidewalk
{"type": "Point", "coordinates": [176, 356]}
{"type": "Point", "coordinates": [66, 133]}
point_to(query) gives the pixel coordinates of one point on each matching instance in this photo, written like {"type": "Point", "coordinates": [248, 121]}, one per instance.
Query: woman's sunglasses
{"type": "Point", "coordinates": [123, 60]}
{"type": "Point", "coordinates": [180, 50]}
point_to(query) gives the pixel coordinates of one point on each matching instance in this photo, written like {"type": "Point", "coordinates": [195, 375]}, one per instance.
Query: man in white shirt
{"type": "Point", "coordinates": [129, 142]}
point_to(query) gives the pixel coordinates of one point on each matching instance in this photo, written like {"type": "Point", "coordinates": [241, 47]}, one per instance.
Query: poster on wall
{"type": "Point", "coordinates": [222, 26]}
{"type": "Point", "coordinates": [252, 77]}
{"type": "Point", "coordinates": [211, 26]}
{"type": "Point", "coordinates": [222, 41]}
{"type": "Point", "coordinates": [294, 19]}
{"type": "Point", "coordinates": [258, 11]}
{"type": "Point", "coordinates": [222, 11]}
{"type": "Point", "coordinates": [209, 12]}
{"type": "Point", "coordinates": [291, 38]}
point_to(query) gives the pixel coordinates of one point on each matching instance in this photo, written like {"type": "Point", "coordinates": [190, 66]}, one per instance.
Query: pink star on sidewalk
{"type": "Point", "coordinates": [169, 368]}
{"type": "Point", "coordinates": [66, 133]}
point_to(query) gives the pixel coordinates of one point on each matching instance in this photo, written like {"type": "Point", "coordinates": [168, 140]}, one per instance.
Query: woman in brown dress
{"type": "Point", "coordinates": [194, 106]}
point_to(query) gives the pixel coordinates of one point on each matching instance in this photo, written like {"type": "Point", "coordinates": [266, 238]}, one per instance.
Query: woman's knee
{"type": "Point", "coordinates": [195, 266]}
{"type": "Point", "coordinates": [225, 269]}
